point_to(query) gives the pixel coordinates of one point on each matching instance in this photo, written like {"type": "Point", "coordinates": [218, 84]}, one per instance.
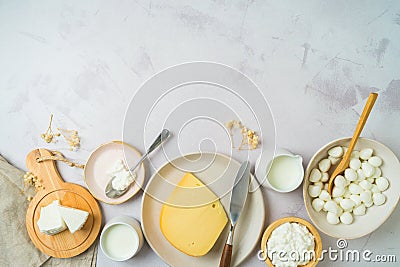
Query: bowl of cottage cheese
{"type": "Point", "coordinates": [291, 241]}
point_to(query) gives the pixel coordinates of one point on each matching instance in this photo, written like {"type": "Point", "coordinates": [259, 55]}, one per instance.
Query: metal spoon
{"type": "Point", "coordinates": [114, 193]}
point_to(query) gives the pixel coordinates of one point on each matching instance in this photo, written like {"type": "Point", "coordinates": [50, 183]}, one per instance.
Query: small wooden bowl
{"type": "Point", "coordinates": [310, 227]}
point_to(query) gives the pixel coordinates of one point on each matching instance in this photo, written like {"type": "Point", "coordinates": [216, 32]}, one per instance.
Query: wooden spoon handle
{"type": "Point", "coordinates": [46, 171]}
{"type": "Point", "coordinates": [363, 119]}
{"type": "Point", "coordinates": [226, 256]}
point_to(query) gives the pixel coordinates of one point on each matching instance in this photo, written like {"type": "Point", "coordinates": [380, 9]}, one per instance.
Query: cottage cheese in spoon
{"type": "Point", "coordinates": [123, 177]}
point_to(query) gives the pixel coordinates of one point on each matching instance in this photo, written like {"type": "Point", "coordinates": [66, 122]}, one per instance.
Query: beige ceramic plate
{"type": "Point", "coordinates": [101, 160]}
{"type": "Point", "coordinates": [248, 229]}
{"type": "Point", "coordinates": [310, 227]}
{"type": "Point", "coordinates": [375, 215]}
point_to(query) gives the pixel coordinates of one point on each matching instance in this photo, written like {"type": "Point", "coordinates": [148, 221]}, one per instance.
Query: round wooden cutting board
{"type": "Point", "coordinates": [64, 244]}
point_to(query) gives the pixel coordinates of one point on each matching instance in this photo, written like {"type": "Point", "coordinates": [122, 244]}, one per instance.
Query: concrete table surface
{"type": "Point", "coordinates": [315, 61]}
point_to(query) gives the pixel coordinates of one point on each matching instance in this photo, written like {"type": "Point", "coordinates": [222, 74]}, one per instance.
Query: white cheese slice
{"type": "Point", "coordinates": [74, 218]}
{"type": "Point", "coordinates": [50, 221]}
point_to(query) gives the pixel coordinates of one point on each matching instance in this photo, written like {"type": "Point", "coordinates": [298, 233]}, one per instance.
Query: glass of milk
{"type": "Point", "coordinates": [121, 238]}
{"type": "Point", "coordinates": [283, 172]}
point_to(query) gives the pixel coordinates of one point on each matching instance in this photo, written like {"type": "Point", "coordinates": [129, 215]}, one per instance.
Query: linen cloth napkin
{"type": "Point", "coordinates": [15, 245]}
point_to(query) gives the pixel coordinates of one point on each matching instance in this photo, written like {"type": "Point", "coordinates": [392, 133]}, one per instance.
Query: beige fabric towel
{"type": "Point", "coordinates": [15, 245]}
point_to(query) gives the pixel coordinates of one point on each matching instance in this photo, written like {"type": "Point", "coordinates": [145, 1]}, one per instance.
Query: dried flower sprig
{"type": "Point", "coordinates": [31, 181]}
{"type": "Point", "coordinates": [49, 135]}
{"type": "Point", "coordinates": [72, 138]}
{"type": "Point", "coordinates": [250, 139]}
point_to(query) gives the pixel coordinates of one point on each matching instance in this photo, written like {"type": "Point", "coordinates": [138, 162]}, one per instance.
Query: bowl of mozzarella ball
{"type": "Point", "coordinates": [363, 196]}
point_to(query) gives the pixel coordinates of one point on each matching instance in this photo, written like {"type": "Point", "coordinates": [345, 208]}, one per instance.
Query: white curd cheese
{"type": "Point", "coordinates": [55, 218]}
{"type": "Point", "coordinates": [290, 244]}
{"type": "Point", "coordinates": [50, 221]}
{"type": "Point", "coordinates": [123, 177]}
{"type": "Point", "coordinates": [74, 219]}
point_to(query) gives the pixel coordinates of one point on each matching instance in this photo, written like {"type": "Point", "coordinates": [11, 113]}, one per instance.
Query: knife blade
{"type": "Point", "coordinates": [238, 199]}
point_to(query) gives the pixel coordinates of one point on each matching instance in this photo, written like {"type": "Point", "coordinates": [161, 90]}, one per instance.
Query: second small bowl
{"type": "Point", "coordinates": [310, 228]}
{"type": "Point", "coordinates": [121, 238]}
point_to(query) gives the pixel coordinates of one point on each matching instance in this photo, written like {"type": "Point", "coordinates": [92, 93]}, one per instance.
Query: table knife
{"type": "Point", "coordinates": [238, 199]}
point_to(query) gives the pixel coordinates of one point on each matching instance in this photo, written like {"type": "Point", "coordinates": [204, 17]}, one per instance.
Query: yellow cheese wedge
{"type": "Point", "coordinates": [192, 229]}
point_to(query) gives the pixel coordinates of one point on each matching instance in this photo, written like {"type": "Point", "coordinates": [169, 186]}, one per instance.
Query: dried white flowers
{"type": "Point", "coordinates": [250, 139]}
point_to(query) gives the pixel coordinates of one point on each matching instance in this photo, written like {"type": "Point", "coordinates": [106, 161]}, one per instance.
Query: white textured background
{"type": "Point", "coordinates": [316, 61]}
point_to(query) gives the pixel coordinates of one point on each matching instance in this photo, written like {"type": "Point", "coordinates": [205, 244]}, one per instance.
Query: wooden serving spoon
{"type": "Point", "coordinates": [344, 163]}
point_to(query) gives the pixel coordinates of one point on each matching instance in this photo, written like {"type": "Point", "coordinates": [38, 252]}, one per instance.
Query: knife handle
{"type": "Point", "coordinates": [226, 256]}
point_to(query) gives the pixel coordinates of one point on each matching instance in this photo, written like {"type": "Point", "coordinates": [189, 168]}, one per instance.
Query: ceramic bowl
{"type": "Point", "coordinates": [121, 238]}
{"type": "Point", "coordinates": [375, 215]}
{"type": "Point", "coordinates": [311, 229]}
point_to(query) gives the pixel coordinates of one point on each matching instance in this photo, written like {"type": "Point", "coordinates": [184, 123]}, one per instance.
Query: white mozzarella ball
{"type": "Point", "coordinates": [369, 204]}
{"type": "Point", "coordinates": [355, 189]}
{"type": "Point", "coordinates": [371, 180]}
{"type": "Point", "coordinates": [339, 210]}
{"type": "Point", "coordinates": [375, 189]}
{"type": "Point", "coordinates": [337, 199]}
{"type": "Point", "coordinates": [355, 154]}
{"type": "Point", "coordinates": [382, 183]}
{"type": "Point", "coordinates": [318, 204]}
{"type": "Point", "coordinates": [331, 206]}
{"type": "Point", "coordinates": [324, 165]}
{"type": "Point", "coordinates": [375, 161]}
{"type": "Point", "coordinates": [359, 210]}
{"type": "Point", "coordinates": [355, 164]}
{"type": "Point", "coordinates": [350, 174]}
{"type": "Point", "coordinates": [336, 152]}
{"type": "Point", "coordinates": [332, 218]}
{"type": "Point", "coordinates": [333, 160]}
{"type": "Point", "coordinates": [340, 181]}
{"type": "Point", "coordinates": [325, 177]}
{"type": "Point", "coordinates": [356, 199]}
{"type": "Point", "coordinates": [347, 204]}
{"type": "Point", "coordinates": [315, 175]}
{"type": "Point", "coordinates": [324, 195]}
{"type": "Point", "coordinates": [366, 196]}
{"type": "Point", "coordinates": [366, 153]}
{"type": "Point", "coordinates": [368, 169]}
{"type": "Point", "coordinates": [365, 184]}
{"type": "Point", "coordinates": [314, 190]}
{"type": "Point", "coordinates": [379, 198]}
{"type": "Point", "coordinates": [337, 191]}
{"type": "Point", "coordinates": [347, 193]}
{"type": "Point", "coordinates": [360, 175]}
{"type": "Point", "coordinates": [377, 173]}
{"type": "Point", "coordinates": [320, 184]}
{"type": "Point", "coordinates": [346, 218]}
{"type": "Point", "coordinates": [326, 187]}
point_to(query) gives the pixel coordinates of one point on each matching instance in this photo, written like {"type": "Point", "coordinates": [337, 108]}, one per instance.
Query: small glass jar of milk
{"type": "Point", "coordinates": [281, 171]}
{"type": "Point", "coordinates": [121, 238]}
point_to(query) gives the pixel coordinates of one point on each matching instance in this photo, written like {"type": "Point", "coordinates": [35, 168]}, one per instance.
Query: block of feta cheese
{"type": "Point", "coordinates": [50, 221]}
{"type": "Point", "coordinates": [74, 218]}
